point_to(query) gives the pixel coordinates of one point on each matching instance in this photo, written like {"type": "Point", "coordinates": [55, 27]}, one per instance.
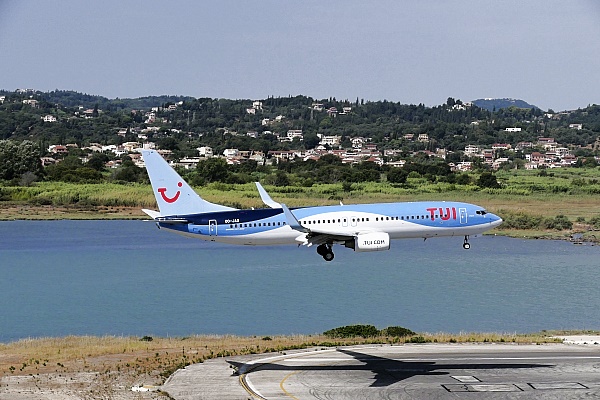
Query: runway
{"type": "Point", "coordinates": [430, 371]}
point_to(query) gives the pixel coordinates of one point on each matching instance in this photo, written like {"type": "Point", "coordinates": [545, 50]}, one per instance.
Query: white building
{"type": "Point", "coordinates": [31, 102]}
{"type": "Point", "coordinates": [331, 141]}
{"type": "Point", "coordinates": [49, 118]}
{"type": "Point", "coordinates": [231, 153]}
{"type": "Point", "coordinates": [205, 151]}
{"type": "Point", "coordinates": [294, 133]}
{"type": "Point", "coordinates": [472, 150]}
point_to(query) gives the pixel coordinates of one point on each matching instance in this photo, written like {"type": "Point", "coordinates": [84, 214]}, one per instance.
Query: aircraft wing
{"type": "Point", "coordinates": [315, 236]}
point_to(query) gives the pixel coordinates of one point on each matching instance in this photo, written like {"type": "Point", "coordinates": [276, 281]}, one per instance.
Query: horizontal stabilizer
{"type": "Point", "coordinates": [151, 213]}
{"type": "Point", "coordinates": [156, 216]}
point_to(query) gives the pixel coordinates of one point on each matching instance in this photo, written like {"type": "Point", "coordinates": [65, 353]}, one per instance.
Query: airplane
{"type": "Point", "coordinates": [361, 227]}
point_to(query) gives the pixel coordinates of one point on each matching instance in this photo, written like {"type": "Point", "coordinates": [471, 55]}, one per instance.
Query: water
{"type": "Point", "coordinates": [128, 278]}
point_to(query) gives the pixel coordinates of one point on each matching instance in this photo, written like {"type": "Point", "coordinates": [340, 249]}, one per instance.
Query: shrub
{"type": "Point", "coordinates": [418, 339]}
{"type": "Point", "coordinates": [595, 222]}
{"type": "Point", "coordinates": [396, 331]}
{"type": "Point", "coordinates": [349, 331]}
{"type": "Point", "coordinates": [520, 220]}
{"type": "Point", "coordinates": [560, 222]}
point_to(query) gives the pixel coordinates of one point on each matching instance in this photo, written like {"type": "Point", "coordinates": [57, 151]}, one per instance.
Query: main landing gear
{"type": "Point", "coordinates": [324, 250]}
{"type": "Point", "coordinates": [466, 244]}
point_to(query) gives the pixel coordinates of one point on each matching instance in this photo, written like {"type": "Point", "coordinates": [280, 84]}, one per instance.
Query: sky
{"type": "Point", "coordinates": [546, 52]}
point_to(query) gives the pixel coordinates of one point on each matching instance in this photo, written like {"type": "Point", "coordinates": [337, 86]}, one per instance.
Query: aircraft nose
{"type": "Point", "coordinates": [494, 220]}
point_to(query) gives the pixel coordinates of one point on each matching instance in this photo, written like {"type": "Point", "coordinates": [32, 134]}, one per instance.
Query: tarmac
{"type": "Point", "coordinates": [409, 371]}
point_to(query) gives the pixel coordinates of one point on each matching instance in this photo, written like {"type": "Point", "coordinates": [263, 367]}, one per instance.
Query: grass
{"type": "Point", "coordinates": [157, 358]}
{"type": "Point", "coordinates": [572, 192]}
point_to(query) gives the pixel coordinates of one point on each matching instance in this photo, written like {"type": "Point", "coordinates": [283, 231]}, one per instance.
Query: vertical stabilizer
{"type": "Point", "coordinates": [173, 195]}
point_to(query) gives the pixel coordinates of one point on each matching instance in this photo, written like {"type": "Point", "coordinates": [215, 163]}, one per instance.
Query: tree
{"type": "Point", "coordinates": [97, 161]}
{"type": "Point", "coordinates": [488, 180]}
{"type": "Point", "coordinates": [213, 170]}
{"type": "Point", "coordinates": [311, 140]}
{"type": "Point", "coordinates": [397, 175]}
{"type": "Point", "coordinates": [17, 159]}
{"type": "Point", "coordinates": [281, 179]}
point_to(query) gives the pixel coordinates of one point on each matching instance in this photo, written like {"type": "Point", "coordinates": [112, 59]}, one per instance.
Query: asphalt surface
{"type": "Point", "coordinates": [429, 371]}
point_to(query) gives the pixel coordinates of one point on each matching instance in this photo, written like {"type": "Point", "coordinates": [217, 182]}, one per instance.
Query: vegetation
{"type": "Point", "coordinates": [145, 356]}
{"type": "Point", "coordinates": [81, 186]}
{"type": "Point", "coordinates": [366, 331]}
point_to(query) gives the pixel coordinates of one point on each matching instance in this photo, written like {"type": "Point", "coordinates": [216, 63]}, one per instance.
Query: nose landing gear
{"type": "Point", "coordinates": [324, 250]}
{"type": "Point", "coordinates": [466, 244]}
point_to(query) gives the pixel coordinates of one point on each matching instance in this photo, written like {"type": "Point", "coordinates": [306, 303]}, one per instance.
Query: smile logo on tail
{"type": "Point", "coordinates": [170, 199]}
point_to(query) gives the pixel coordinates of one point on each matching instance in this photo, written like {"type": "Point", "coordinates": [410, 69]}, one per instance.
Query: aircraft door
{"type": "Point", "coordinates": [462, 212]}
{"type": "Point", "coordinates": [353, 221]}
{"type": "Point", "coordinates": [212, 227]}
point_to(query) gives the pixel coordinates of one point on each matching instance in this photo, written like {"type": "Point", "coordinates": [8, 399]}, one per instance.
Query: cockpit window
{"type": "Point", "coordinates": [481, 212]}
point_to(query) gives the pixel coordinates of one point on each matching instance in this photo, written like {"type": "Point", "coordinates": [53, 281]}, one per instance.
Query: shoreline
{"type": "Point", "coordinates": [25, 212]}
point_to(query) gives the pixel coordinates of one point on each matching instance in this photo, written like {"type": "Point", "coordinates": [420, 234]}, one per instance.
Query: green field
{"type": "Point", "coordinates": [573, 192]}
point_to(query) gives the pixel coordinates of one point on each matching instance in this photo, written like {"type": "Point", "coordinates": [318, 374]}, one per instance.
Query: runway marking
{"type": "Point", "coordinates": [482, 387]}
{"type": "Point", "coordinates": [283, 381]}
{"type": "Point", "coordinates": [310, 360]}
{"type": "Point", "coordinates": [465, 378]}
{"type": "Point", "coordinates": [557, 385]}
{"type": "Point", "coordinates": [303, 358]}
{"type": "Point", "coordinates": [254, 364]}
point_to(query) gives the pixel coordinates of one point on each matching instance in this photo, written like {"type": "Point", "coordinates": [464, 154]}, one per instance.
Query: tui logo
{"type": "Point", "coordinates": [170, 199]}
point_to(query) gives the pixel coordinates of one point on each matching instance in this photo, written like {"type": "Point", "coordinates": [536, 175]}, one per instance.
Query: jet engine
{"type": "Point", "coordinates": [376, 241]}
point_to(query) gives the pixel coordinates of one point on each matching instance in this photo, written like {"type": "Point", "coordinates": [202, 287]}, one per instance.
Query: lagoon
{"type": "Point", "coordinates": [128, 278]}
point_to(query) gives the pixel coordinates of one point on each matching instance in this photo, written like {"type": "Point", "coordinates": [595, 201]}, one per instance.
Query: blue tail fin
{"type": "Point", "coordinates": [173, 195]}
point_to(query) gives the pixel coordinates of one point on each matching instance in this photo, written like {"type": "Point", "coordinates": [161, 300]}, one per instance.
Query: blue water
{"type": "Point", "coordinates": [128, 278]}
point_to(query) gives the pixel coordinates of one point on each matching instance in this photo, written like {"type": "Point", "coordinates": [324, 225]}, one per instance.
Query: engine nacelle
{"type": "Point", "coordinates": [376, 241]}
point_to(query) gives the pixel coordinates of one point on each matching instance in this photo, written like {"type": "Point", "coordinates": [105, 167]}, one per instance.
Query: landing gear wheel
{"type": "Point", "coordinates": [466, 244]}
{"type": "Point", "coordinates": [324, 250]}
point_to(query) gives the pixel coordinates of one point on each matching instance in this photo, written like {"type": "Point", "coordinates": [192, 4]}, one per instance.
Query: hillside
{"type": "Point", "coordinates": [497, 104]}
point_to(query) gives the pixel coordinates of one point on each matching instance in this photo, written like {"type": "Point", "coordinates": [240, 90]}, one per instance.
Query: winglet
{"type": "Point", "coordinates": [265, 197]}
{"type": "Point", "coordinates": [292, 221]}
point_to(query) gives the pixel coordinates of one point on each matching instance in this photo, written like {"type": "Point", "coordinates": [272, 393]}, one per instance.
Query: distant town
{"type": "Point", "coordinates": [269, 131]}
